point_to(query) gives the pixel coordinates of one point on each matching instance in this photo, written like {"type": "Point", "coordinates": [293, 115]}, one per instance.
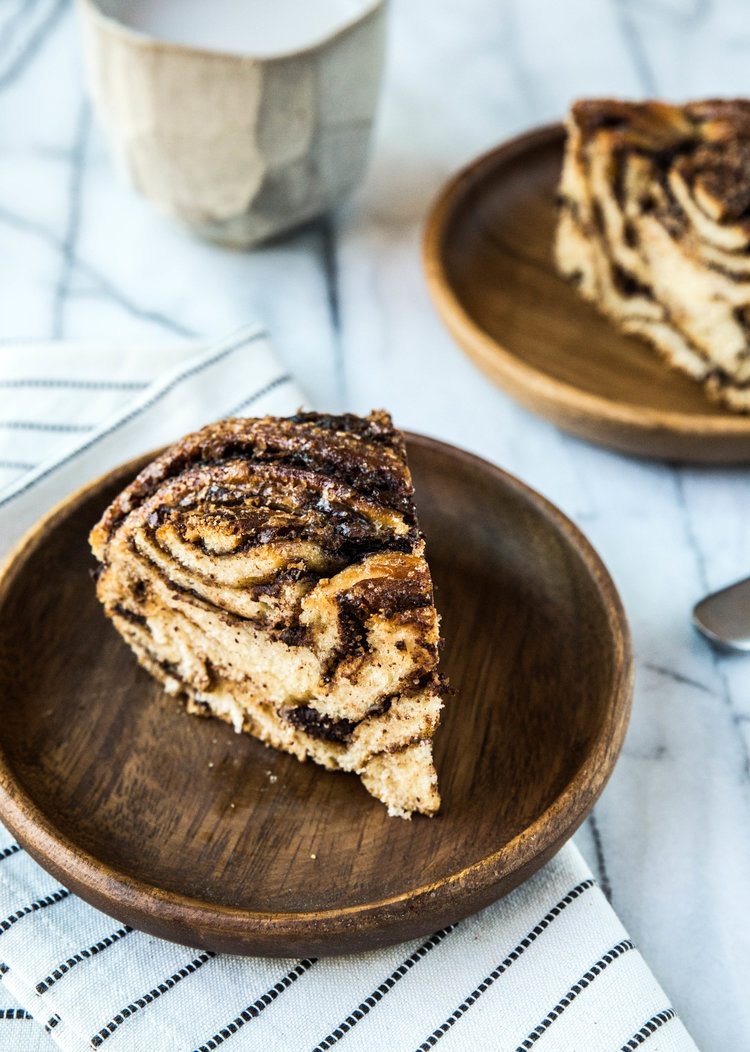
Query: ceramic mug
{"type": "Point", "coordinates": [239, 146]}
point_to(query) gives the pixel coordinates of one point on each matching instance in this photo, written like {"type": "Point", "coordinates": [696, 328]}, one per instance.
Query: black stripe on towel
{"type": "Point", "coordinates": [385, 987]}
{"type": "Point", "coordinates": [513, 956]}
{"type": "Point", "coordinates": [15, 1013]}
{"type": "Point", "coordinates": [141, 1002]}
{"type": "Point", "coordinates": [12, 849]}
{"type": "Point", "coordinates": [253, 1011]}
{"type": "Point", "coordinates": [285, 378]}
{"type": "Point", "coordinates": [83, 385]}
{"type": "Point", "coordinates": [42, 425]}
{"type": "Point", "coordinates": [82, 955]}
{"type": "Point", "coordinates": [586, 980]}
{"type": "Point", "coordinates": [135, 413]}
{"type": "Point", "coordinates": [38, 904]}
{"type": "Point", "coordinates": [649, 1027]}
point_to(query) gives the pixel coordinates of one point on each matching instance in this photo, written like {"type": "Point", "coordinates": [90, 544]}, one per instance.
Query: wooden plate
{"type": "Point", "coordinates": [188, 831]}
{"type": "Point", "coordinates": [488, 256]}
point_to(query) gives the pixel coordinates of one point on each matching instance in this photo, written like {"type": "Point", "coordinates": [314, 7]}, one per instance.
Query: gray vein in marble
{"type": "Point", "coordinates": [108, 291]}
{"type": "Point", "coordinates": [656, 752]}
{"type": "Point", "coordinates": [693, 544]}
{"type": "Point", "coordinates": [527, 84]}
{"type": "Point", "coordinates": [635, 47]}
{"type": "Point", "coordinates": [736, 717]}
{"type": "Point", "coordinates": [58, 154]}
{"type": "Point", "coordinates": [329, 262]}
{"type": "Point", "coordinates": [15, 19]}
{"type": "Point", "coordinates": [570, 444]}
{"type": "Point", "coordinates": [690, 535]}
{"type": "Point", "coordinates": [678, 677]}
{"type": "Point", "coordinates": [73, 223]}
{"type": "Point", "coordinates": [104, 284]}
{"type": "Point", "coordinates": [688, 16]}
{"type": "Point", "coordinates": [601, 862]}
{"type": "Point", "coordinates": [37, 37]}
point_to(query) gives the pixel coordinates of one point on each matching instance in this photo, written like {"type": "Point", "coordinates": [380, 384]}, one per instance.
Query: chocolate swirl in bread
{"type": "Point", "coordinates": [655, 229]}
{"type": "Point", "coordinates": [272, 571]}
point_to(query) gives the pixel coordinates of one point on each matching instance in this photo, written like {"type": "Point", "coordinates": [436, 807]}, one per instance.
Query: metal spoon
{"type": "Point", "coordinates": [724, 617]}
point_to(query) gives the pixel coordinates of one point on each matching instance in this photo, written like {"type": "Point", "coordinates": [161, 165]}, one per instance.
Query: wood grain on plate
{"type": "Point", "coordinates": [488, 257]}
{"type": "Point", "coordinates": [189, 831]}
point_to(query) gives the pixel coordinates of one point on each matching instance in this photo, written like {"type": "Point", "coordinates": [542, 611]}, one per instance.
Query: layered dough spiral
{"type": "Point", "coordinates": [272, 572]}
{"type": "Point", "coordinates": [654, 228]}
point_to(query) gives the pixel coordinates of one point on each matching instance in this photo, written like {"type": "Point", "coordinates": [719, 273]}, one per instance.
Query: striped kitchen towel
{"type": "Point", "coordinates": [550, 967]}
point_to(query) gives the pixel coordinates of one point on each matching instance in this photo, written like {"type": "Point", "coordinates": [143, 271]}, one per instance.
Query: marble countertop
{"type": "Point", "coordinates": [346, 303]}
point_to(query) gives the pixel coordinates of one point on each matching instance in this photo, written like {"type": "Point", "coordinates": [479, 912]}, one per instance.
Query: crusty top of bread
{"type": "Point", "coordinates": [366, 454]}
{"type": "Point", "coordinates": [707, 141]}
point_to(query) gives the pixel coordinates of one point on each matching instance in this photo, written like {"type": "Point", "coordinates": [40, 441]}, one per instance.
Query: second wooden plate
{"type": "Point", "coordinates": [186, 830]}
{"type": "Point", "coordinates": [488, 256]}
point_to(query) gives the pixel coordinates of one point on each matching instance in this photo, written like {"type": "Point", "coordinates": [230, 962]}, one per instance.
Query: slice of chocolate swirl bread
{"type": "Point", "coordinates": [655, 229]}
{"type": "Point", "coordinates": [273, 573]}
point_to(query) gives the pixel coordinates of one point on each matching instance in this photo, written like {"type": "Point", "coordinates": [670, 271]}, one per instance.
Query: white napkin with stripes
{"type": "Point", "coordinates": [550, 967]}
